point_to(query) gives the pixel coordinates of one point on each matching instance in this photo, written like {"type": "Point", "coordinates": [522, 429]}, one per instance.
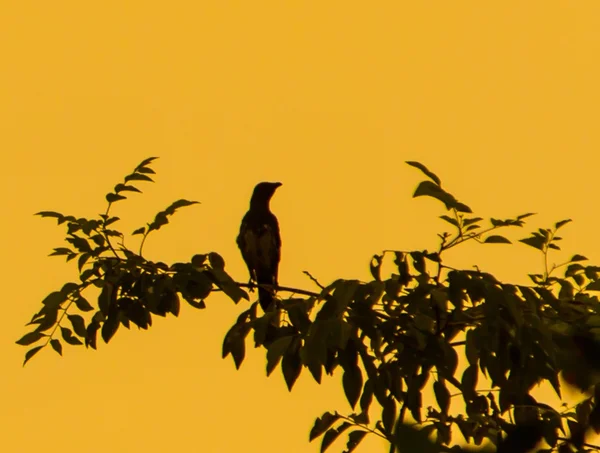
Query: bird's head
{"type": "Point", "coordinates": [263, 192]}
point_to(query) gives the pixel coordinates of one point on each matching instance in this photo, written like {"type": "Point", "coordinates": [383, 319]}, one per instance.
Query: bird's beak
{"type": "Point", "coordinates": [277, 184]}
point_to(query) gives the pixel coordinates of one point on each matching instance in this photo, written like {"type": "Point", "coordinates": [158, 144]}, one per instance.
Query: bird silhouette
{"type": "Point", "coordinates": [259, 241]}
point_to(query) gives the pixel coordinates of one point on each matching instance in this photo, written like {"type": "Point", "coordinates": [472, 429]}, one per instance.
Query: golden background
{"type": "Point", "coordinates": [499, 98]}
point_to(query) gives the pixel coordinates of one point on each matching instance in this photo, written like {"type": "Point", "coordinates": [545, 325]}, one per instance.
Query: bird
{"type": "Point", "coordinates": [259, 241]}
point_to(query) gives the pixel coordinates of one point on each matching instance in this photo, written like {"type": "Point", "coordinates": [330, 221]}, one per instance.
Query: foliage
{"type": "Point", "coordinates": [393, 337]}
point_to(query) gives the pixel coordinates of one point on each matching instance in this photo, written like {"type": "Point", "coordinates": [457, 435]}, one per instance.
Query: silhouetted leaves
{"type": "Point", "coordinates": [394, 337]}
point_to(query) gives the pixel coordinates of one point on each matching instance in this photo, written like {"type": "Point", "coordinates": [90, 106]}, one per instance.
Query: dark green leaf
{"type": "Point", "coordinates": [113, 197]}
{"type": "Point", "coordinates": [138, 177]}
{"type": "Point", "coordinates": [375, 266]}
{"type": "Point", "coordinates": [276, 351]}
{"type": "Point", "coordinates": [523, 216]}
{"type": "Point", "coordinates": [55, 299]}
{"type": "Point", "coordinates": [30, 338]}
{"type": "Point", "coordinates": [593, 286]}
{"type": "Point", "coordinates": [61, 251]}
{"type": "Point", "coordinates": [145, 163]}
{"type": "Point", "coordinates": [578, 258]}
{"type": "Point", "coordinates": [354, 439]}
{"type": "Point", "coordinates": [216, 261]}
{"type": "Point", "coordinates": [367, 396]}
{"type": "Point", "coordinates": [471, 347]}
{"type": "Point", "coordinates": [450, 220]}
{"type": "Point", "coordinates": [68, 336]}
{"type": "Point", "coordinates": [111, 324]}
{"type": "Point", "coordinates": [469, 221]}
{"type": "Point", "coordinates": [53, 214]}
{"type": "Point", "coordinates": [83, 304]}
{"type": "Point", "coordinates": [427, 188]}
{"type": "Point", "coordinates": [78, 325]}
{"type": "Point", "coordinates": [141, 230]}
{"type": "Point", "coordinates": [496, 239]}
{"type": "Point", "coordinates": [29, 354]}
{"type": "Point", "coordinates": [442, 395]}
{"type": "Point", "coordinates": [426, 171]}
{"type": "Point", "coordinates": [561, 223]}
{"type": "Point", "coordinates": [126, 188]}
{"type": "Point", "coordinates": [291, 365]}
{"type": "Point", "coordinates": [83, 258]}
{"type": "Point", "coordinates": [534, 241]}
{"type": "Point", "coordinates": [322, 424]}
{"type": "Point", "coordinates": [352, 382]}
{"type": "Point", "coordinates": [469, 379]}
{"type": "Point", "coordinates": [179, 204]}
{"type": "Point", "coordinates": [411, 440]}
{"type": "Point", "coordinates": [388, 415]}
{"type": "Point", "coordinates": [332, 435]}
{"type": "Point", "coordinates": [56, 345]}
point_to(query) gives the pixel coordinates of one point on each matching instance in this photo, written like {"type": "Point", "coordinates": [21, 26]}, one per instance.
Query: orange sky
{"type": "Point", "coordinates": [499, 99]}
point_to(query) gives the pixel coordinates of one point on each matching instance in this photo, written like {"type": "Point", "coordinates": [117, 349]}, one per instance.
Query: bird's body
{"type": "Point", "coordinates": [260, 242]}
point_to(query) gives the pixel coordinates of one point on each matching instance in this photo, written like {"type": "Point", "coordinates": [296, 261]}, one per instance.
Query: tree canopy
{"type": "Point", "coordinates": [393, 337]}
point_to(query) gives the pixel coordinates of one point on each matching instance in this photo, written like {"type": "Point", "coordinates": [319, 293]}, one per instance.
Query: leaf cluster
{"type": "Point", "coordinates": [392, 338]}
{"type": "Point", "coordinates": [132, 289]}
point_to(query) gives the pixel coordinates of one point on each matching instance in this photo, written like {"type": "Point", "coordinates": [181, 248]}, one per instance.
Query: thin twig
{"type": "Point", "coordinates": [314, 279]}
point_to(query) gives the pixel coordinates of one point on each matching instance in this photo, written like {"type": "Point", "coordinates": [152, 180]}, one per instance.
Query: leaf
{"type": "Point", "coordinates": [523, 216]}
{"type": "Point", "coordinates": [83, 304]}
{"type": "Point", "coordinates": [388, 415]}
{"type": "Point", "coordinates": [61, 251]}
{"type": "Point", "coordinates": [471, 347]}
{"type": "Point", "coordinates": [161, 218]}
{"type": "Point", "coordinates": [469, 380]}
{"type": "Point", "coordinates": [53, 214]}
{"type": "Point", "coordinates": [352, 382]}
{"type": "Point", "coordinates": [442, 395]}
{"type": "Point", "coordinates": [408, 439]}
{"type": "Point", "coordinates": [113, 197]}
{"type": "Point", "coordinates": [426, 171]}
{"type": "Point", "coordinates": [83, 258]}
{"type": "Point", "coordinates": [179, 204]}
{"type": "Point", "coordinates": [78, 325]}
{"type": "Point", "coordinates": [145, 163]}
{"type": "Point", "coordinates": [375, 267]}
{"type": "Point", "coordinates": [536, 242]}
{"type": "Point", "coordinates": [56, 345]}
{"type": "Point", "coordinates": [557, 225]}
{"type": "Point", "coordinates": [332, 435]}
{"type": "Point", "coordinates": [126, 188]}
{"type": "Point", "coordinates": [276, 351]}
{"type": "Point", "coordinates": [291, 365]}
{"type": "Point", "coordinates": [216, 261]}
{"type": "Point", "coordinates": [496, 239]}
{"type": "Point", "coordinates": [54, 299]}
{"type": "Point", "coordinates": [593, 286]}
{"type": "Point", "coordinates": [29, 354]}
{"type": "Point", "coordinates": [138, 177]}
{"type": "Point", "coordinates": [30, 338]}
{"type": "Point", "coordinates": [322, 424]}
{"type": "Point", "coordinates": [68, 336]}
{"type": "Point", "coordinates": [111, 324]}
{"type": "Point", "coordinates": [141, 230]}
{"type": "Point", "coordinates": [367, 396]}
{"type": "Point", "coordinates": [450, 220]}
{"type": "Point", "coordinates": [469, 221]}
{"type": "Point", "coordinates": [354, 439]}
{"type": "Point", "coordinates": [429, 189]}
{"type": "Point", "coordinates": [575, 258]}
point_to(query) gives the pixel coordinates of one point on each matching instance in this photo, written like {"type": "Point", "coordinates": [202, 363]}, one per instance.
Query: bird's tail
{"type": "Point", "coordinates": [265, 298]}
{"type": "Point", "coordinates": [265, 295]}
